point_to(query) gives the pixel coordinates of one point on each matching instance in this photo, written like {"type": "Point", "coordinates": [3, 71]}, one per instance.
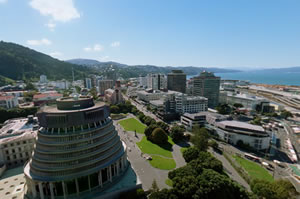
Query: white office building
{"type": "Point", "coordinates": [190, 104]}
{"type": "Point", "coordinates": [17, 138]}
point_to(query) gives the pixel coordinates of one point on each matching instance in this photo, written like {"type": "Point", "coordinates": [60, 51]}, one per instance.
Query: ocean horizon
{"type": "Point", "coordinates": [262, 77]}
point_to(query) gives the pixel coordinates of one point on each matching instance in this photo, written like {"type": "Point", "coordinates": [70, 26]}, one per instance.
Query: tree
{"type": "Point", "coordinates": [238, 105]}
{"type": "Point", "coordinates": [148, 131]}
{"type": "Point", "coordinates": [30, 86]}
{"type": "Point", "coordinates": [149, 120]}
{"type": "Point", "coordinates": [286, 114]}
{"type": "Point", "coordinates": [213, 144]}
{"type": "Point", "coordinates": [159, 136]}
{"type": "Point", "coordinates": [29, 95]}
{"type": "Point", "coordinates": [114, 109]}
{"type": "Point", "coordinates": [177, 133]}
{"type": "Point", "coordinates": [141, 117]}
{"type": "Point", "coordinates": [279, 189]}
{"type": "Point", "coordinates": [256, 121]}
{"type": "Point", "coordinates": [163, 125]}
{"type": "Point", "coordinates": [190, 154]}
{"type": "Point", "coordinates": [94, 93]}
{"type": "Point", "coordinates": [223, 109]}
{"type": "Point", "coordinates": [78, 89]}
{"type": "Point", "coordinates": [200, 138]}
{"type": "Point", "coordinates": [154, 187]}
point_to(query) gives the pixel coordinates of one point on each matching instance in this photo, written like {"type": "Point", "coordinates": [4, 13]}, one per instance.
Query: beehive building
{"type": "Point", "coordinates": [78, 152]}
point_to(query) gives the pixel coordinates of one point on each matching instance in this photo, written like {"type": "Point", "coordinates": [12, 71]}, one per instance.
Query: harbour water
{"type": "Point", "coordinates": [264, 77]}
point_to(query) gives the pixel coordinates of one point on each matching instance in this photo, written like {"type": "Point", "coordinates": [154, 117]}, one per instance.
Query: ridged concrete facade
{"type": "Point", "coordinates": [77, 153]}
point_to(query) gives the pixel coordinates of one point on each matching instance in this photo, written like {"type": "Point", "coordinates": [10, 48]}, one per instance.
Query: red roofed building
{"type": "Point", "coordinates": [44, 98]}
{"type": "Point", "coordinates": [8, 101]}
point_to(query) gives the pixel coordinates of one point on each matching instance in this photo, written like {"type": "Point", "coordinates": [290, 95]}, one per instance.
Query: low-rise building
{"type": "Point", "coordinates": [8, 101]}
{"type": "Point", "coordinates": [248, 101]}
{"type": "Point", "coordinates": [191, 120]}
{"type": "Point", "coordinates": [234, 132]}
{"type": "Point", "coordinates": [17, 139]}
{"type": "Point", "coordinates": [44, 98]}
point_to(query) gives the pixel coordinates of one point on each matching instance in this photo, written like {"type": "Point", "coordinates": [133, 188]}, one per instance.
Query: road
{"type": "Point", "coordinates": [141, 166]}
{"type": "Point", "coordinates": [231, 171]}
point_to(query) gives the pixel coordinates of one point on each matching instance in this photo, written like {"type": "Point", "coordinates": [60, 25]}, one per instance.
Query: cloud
{"type": "Point", "coordinates": [3, 1]}
{"type": "Point", "coordinates": [58, 10]}
{"type": "Point", "coordinates": [95, 48]}
{"type": "Point", "coordinates": [56, 54]}
{"type": "Point", "coordinates": [115, 44]}
{"type": "Point", "coordinates": [51, 25]}
{"type": "Point", "coordinates": [39, 42]}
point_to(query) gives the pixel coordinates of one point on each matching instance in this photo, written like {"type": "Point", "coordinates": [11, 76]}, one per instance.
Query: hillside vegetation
{"type": "Point", "coordinates": [21, 63]}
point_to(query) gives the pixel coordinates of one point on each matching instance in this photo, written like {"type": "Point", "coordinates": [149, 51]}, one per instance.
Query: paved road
{"type": "Point", "coordinates": [231, 171]}
{"type": "Point", "coordinates": [178, 156]}
{"type": "Point", "coordinates": [141, 166]}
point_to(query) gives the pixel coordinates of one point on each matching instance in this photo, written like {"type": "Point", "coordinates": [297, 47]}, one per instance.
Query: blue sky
{"type": "Point", "coordinates": [232, 34]}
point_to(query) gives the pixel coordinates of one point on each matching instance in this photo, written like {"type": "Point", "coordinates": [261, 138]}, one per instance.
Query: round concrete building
{"type": "Point", "coordinates": [78, 152]}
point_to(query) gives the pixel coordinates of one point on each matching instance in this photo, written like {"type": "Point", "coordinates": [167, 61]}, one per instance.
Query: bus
{"type": "Point", "coordinates": [252, 157]}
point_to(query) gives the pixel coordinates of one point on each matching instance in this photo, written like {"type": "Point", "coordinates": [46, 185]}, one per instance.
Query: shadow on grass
{"type": "Point", "coordinates": [183, 143]}
{"type": "Point", "coordinates": [166, 146]}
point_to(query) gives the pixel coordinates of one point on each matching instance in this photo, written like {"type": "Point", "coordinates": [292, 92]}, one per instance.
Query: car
{"type": "Point", "coordinates": [148, 158]}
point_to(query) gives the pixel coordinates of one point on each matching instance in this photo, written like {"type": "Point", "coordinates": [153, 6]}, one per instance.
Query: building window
{"type": "Point", "coordinates": [13, 150]}
{"type": "Point", "coordinates": [12, 144]}
{"type": "Point", "coordinates": [8, 158]}
{"type": "Point", "coordinates": [7, 152]}
{"type": "Point", "coordinates": [24, 142]}
{"type": "Point", "coordinates": [15, 157]}
{"type": "Point", "coordinates": [18, 143]}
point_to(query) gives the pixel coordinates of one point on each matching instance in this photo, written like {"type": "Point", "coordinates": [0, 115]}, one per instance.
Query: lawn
{"type": "Point", "coordinates": [132, 124]}
{"type": "Point", "coordinates": [182, 149]}
{"type": "Point", "coordinates": [162, 163]}
{"type": "Point", "coordinates": [150, 148]}
{"type": "Point", "coordinates": [254, 170]}
{"type": "Point", "coordinates": [169, 182]}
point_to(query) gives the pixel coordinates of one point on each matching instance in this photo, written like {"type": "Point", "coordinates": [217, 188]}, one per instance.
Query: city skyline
{"type": "Point", "coordinates": [231, 34]}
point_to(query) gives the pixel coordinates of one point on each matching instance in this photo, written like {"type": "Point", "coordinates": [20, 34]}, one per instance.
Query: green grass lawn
{"type": "Point", "coordinates": [254, 170]}
{"type": "Point", "coordinates": [150, 148]}
{"type": "Point", "coordinates": [169, 182]}
{"type": "Point", "coordinates": [132, 124]}
{"type": "Point", "coordinates": [183, 149]}
{"type": "Point", "coordinates": [162, 163]}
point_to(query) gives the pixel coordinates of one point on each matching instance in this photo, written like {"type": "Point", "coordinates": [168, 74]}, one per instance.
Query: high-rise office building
{"type": "Point", "coordinates": [104, 85]}
{"type": "Point", "coordinates": [157, 81]}
{"type": "Point", "coordinates": [88, 83]}
{"type": "Point", "coordinates": [207, 85]}
{"type": "Point", "coordinates": [78, 153]}
{"type": "Point", "coordinates": [177, 81]}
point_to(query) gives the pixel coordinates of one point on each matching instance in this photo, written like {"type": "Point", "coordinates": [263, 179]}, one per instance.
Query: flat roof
{"type": "Point", "coordinates": [157, 102]}
{"type": "Point", "coordinates": [241, 125]}
{"type": "Point", "coordinates": [53, 109]}
{"type": "Point", "coordinates": [16, 127]}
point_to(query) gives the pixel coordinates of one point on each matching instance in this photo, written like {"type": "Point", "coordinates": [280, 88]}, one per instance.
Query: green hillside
{"type": "Point", "coordinates": [21, 63]}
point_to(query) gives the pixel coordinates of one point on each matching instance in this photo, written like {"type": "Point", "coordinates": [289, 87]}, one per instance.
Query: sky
{"type": "Point", "coordinates": [239, 34]}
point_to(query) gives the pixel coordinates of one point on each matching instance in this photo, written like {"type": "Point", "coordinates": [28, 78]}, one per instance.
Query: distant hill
{"type": "Point", "coordinates": [127, 71]}
{"type": "Point", "coordinates": [21, 63]}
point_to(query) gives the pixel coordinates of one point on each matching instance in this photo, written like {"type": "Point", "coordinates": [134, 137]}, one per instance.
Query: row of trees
{"type": "Point", "coordinates": [6, 114]}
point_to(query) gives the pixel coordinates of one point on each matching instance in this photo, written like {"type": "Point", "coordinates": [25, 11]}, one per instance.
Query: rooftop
{"type": "Point", "coordinates": [241, 125]}
{"type": "Point", "coordinates": [12, 129]}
